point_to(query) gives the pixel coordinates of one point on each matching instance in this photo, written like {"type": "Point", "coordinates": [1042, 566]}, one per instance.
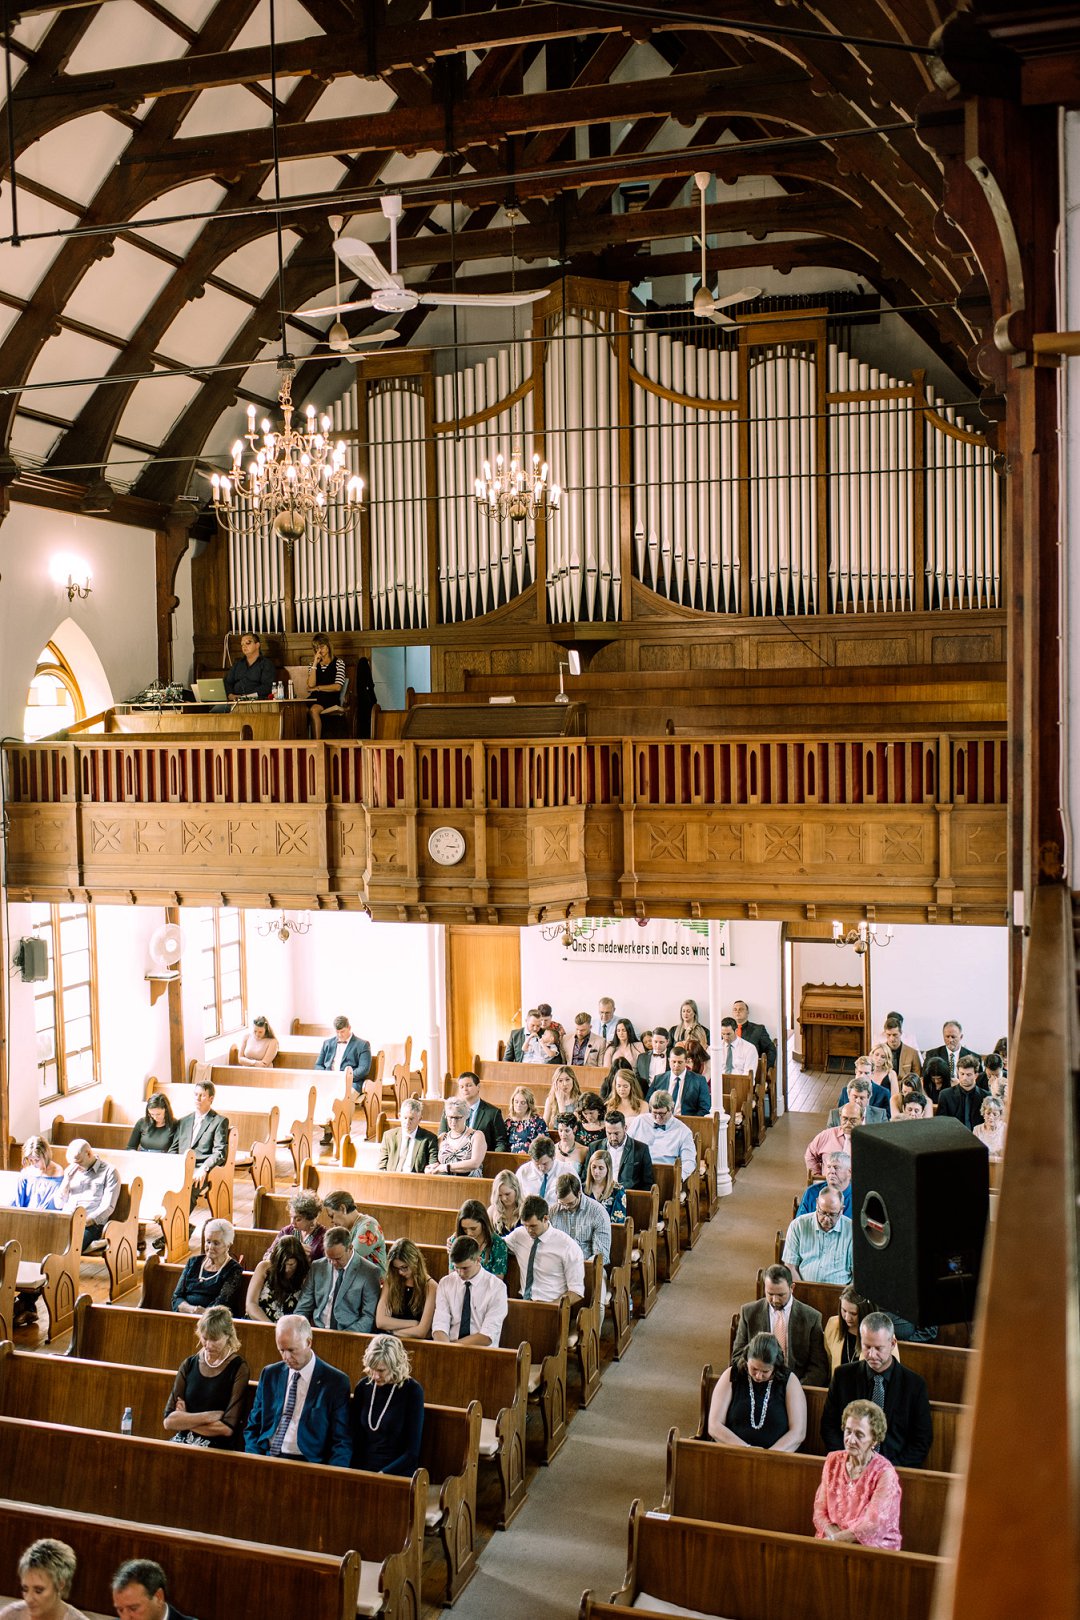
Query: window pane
{"type": "Point", "coordinates": [48, 1085]}
{"type": "Point", "coordinates": [230, 986]}
{"type": "Point", "coordinates": [206, 930]}
{"type": "Point", "coordinates": [80, 1070]}
{"type": "Point", "coordinates": [71, 910]}
{"type": "Point", "coordinates": [229, 925]}
{"type": "Point", "coordinates": [46, 1045]}
{"type": "Point", "coordinates": [44, 1013]}
{"type": "Point", "coordinates": [76, 1035]}
{"type": "Point", "coordinates": [76, 968]}
{"type": "Point", "coordinates": [74, 936]}
{"type": "Point", "coordinates": [209, 1023]}
{"type": "Point", "coordinates": [77, 1003]}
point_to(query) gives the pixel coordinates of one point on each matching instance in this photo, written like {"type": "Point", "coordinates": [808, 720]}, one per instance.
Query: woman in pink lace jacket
{"type": "Point", "coordinates": [859, 1495]}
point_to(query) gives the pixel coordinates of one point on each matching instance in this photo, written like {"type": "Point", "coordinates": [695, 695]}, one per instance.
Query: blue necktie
{"type": "Point", "coordinates": [543, 1187]}
{"type": "Point", "coordinates": [287, 1411]}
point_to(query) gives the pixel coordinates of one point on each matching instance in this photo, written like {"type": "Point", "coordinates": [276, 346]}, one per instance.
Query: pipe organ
{"type": "Point", "coordinates": [758, 470]}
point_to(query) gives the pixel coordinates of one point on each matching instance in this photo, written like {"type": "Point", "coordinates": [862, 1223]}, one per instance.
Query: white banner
{"type": "Point", "coordinates": [659, 939]}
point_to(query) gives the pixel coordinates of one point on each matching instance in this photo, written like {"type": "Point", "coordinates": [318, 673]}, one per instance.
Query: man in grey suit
{"type": "Point", "coordinates": [342, 1290]}
{"type": "Point", "coordinates": [795, 1325]}
{"type": "Point", "coordinates": [408, 1148]}
{"type": "Point", "coordinates": [206, 1133]}
{"type": "Point", "coordinates": [514, 1051]}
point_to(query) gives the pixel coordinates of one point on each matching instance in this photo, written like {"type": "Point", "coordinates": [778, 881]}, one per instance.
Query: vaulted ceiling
{"type": "Point", "coordinates": [138, 243]}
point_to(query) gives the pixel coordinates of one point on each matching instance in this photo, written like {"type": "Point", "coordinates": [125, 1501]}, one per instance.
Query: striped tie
{"type": "Point", "coordinates": [287, 1411]}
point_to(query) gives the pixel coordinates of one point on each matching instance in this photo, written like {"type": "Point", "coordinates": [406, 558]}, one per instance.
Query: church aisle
{"type": "Point", "coordinates": [571, 1534]}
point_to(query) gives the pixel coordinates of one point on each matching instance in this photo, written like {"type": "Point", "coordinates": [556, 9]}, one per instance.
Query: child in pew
{"type": "Point", "coordinates": [46, 1571]}
{"type": "Point", "coordinates": [206, 1403]}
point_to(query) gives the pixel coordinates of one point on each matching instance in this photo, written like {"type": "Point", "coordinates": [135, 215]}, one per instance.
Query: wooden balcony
{"type": "Point", "coordinates": [907, 828]}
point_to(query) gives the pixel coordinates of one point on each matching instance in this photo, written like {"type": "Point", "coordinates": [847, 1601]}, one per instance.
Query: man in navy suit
{"type": "Point", "coordinates": [301, 1406]}
{"type": "Point", "coordinates": [952, 1048]}
{"type": "Point", "coordinates": [138, 1592]}
{"type": "Point", "coordinates": [483, 1116]}
{"type": "Point", "coordinates": [689, 1091]}
{"type": "Point", "coordinates": [347, 1051]}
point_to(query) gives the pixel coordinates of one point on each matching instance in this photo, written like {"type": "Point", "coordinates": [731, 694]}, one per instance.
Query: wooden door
{"type": "Point", "coordinates": [483, 990]}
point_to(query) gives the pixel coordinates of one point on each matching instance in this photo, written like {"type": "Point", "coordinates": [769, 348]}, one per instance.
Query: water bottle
{"type": "Point", "coordinates": [292, 693]}
{"type": "Point", "coordinates": [126, 1422]}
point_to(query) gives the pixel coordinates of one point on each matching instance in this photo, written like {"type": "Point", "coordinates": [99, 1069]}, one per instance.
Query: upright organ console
{"type": "Point", "coordinates": [833, 1023]}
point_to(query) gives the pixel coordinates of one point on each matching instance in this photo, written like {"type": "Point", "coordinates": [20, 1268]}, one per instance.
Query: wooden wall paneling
{"type": "Point", "coordinates": [483, 989]}
{"type": "Point", "coordinates": [210, 601]}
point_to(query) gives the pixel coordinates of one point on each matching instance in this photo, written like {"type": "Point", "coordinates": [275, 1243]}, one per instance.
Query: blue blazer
{"type": "Point", "coordinates": [324, 1434]}
{"type": "Point", "coordinates": [357, 1057]}
{"type": "Point", "coordinates": [695, 1097]}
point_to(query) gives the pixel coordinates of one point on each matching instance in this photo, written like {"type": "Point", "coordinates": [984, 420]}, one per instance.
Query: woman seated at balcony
{"type": "Point", "coordinates": [461, 1148]}
{"type": "Point", "coordinates": [259, 1047]}
{"type": "Point", "coordinates": [523, 1123]}
{"type": "Point", "coordinates": [155, 1131]}
{"type": "Point", "coordinates": [41, 1176]}
{"type": "Point", "coordinates": [564, 1096]}
{"type": "Point", "coordinates": [326, 681]}
{"type": "Point", "coordinates": [624, 1095]}
{"type": "Point", "coordinates": [688, 1027]}
{"type": "Point", "coordinates": [278, 1281]}
{"type": "Point", "coordinates": [625, 1045]}
{"type": "Point", "coordinates": [506, 1201]}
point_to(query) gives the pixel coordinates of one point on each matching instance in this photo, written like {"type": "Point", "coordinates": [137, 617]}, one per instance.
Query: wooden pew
{"type": "Point", "coordinates": [284, 1058]}
{"type": "Point", "coordinates": [316, 1509]}
{"type": "Point", "coordinates": [387, 1187]}
{"type": "Point", "coordinates": [121, 1239]}
{"type": "Point", "coordinates": [322, 1031]}
{"type": "Point", "coordinates": [50, 1253]}
{"type": "Point", "coordinates": [738, 1105]}
{"type": "Point", "coordinates": [165, 1181]}
{"type": "Point", "coordinates": [219, 1575]}
{"type": "Point", "coordinates": [945, 1416]}
{"type": "Point", "coordinates": [335, 1100]}
{"type": "Point", "coordinates": [10, 1255]}
{"type": "Point", "coordinates": [750, 1574]}
{"type": "Point", "coordinates": [73, 1392]}
{"type": "Point", "coordinates": [774, 1490]}
{"type": "Point", "coordinates": [258, 1114]}
{"type": "Point", "coordinates": [706, 1129]}
{"type": "Point", "coordinates": [668, 1180]}
{"type": "Point", "coordinates": [502, 1079]}
{"type": "Point", "coordinates": [452, 1375]}
{"type": "Point", "coordinates": [644, 1210]}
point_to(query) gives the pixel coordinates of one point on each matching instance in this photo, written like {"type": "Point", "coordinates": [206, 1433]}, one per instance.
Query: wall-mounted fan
{"type": "Point", "coordinates": [164, 950]}
{"type": "Point", "coordinates": [389, 293]}
{"type": "Point", "coordinates": [705, 305]}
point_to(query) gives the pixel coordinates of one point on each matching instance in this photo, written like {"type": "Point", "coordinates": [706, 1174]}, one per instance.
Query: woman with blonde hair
{"type": "Point", "coordinates": [41, 1176]}
{"type": "Point", "coordinates": [46, 1571]}
{"type": "Point", "coordinates": [599, 1182]}
{"type": "Point", "coordinates": [626, 1096]}
{"type": "Point", "coordinates": [461, 1146]}
{"type": "Point", "coordinates": [206, 1403]}
{"type": "Point", "coordinates": [523, 1122]}
{"type": "Point", "coordinates": [387, 1411]}
{"type": "Point", "coordinates": [689, 1026]}
{"type": "Point", "coordinates": [564, 1096]}
{"type": "Point", "coordinates": [506, 1201]}
{"type": "Point", "coordinates": [406, 1305]}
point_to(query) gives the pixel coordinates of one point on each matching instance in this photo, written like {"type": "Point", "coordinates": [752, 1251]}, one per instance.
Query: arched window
{"type": "Point", "coordinates": [54, 701]}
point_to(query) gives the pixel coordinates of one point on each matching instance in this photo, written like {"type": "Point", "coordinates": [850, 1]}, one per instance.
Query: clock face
{"type": "Point", "coordinates": [446, 846]}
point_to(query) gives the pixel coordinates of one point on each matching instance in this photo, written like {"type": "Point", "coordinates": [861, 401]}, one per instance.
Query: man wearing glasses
{"type": "Point", "coordinates": [252, 675]}
{"type": "Point", "coordinates": [666, 1137]}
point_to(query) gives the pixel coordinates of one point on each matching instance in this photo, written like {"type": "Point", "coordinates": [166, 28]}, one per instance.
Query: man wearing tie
{"type": "Point", "coordinates": [484, 1117]}
{"type": "Point", "coordinates": [347, 1051]}
{"type": "Point", "coordinates": [341, 1291]}
{"type": "Point", "coordinates": [606, 1021]}
{"type": "Point", "coordinates": [952, 1049]}
{"type": "Point", "coordinates": [207, 1133]}
{"type": "Point", "coordinates": [301, 1407]}
{"type": "Point", "coordinates": [631, 1161]}
{"type": "Point", "coordinates": [537, 1176]}
{"type": "Point", "coordinates": [470, 1303]}
{"type": "Point", "coordinates": [551, 1264]}
{"type": "Point", "coordinates": [652, 1064]}
{"type": "Point", "coordinates": [409, 1148]}
{"type": "Point", "coordinates": [736, 1055]}
{"type": "Point", "coordinates": [689, 1091]}
{"type": "Point", "coordinates": [963, 1100]}
{"type": "Point", "coordinates": [795, 1327]}
{"type": "Point", "coordinates": [877, 1376]}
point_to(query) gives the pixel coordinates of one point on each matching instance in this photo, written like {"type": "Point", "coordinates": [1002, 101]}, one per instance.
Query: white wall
{"type": "Point", "coordinates": [931, 974]}
{"type": "Point", "coordinates": [118, 617]}
{"type": "Point", "coordinates": [377, 973]}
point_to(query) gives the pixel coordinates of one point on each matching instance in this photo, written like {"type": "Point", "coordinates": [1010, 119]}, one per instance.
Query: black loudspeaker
{"type": "Point", "coordinates": [920, 1198]}
{"type": "Point", "coordinates": [32, 958]}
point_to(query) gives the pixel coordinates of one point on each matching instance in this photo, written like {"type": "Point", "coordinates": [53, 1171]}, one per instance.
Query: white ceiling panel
{"type": "Point", "coordinates": [352, 98]}
{"type": "Point", "coordinates": [254, 266]}
{"type": "Point", "coordinates": [115, 293]}
{"type": "Point", "coordinates": [124, 466]}
{"type": "Point", "coordinates": [154, 406]}
{"type": "Point", "coordinates": [76, 158]}
{"type": "Point", "coordinates": [201, 197]}
{"type": "Point", "coordinates": [201, 332]}
{"type": "Point", "coordinates": [191, 12]}
{"type": "Point", "coordinates": [31, 442]}
{"type": "Point", "coordinates": [30, 31]}
{"type": "Point", "coordinates": [68, 355]}
{"type": "Point", "coordinates": [22, 267]}
{"type": "Point", "coordinates": [224, 110]}
{"type": "Point", "coordinates": [401, 169]}
{"type": "Point", "coordinates": [123, 35]}
{"type": "Point", "coordinates": [291, 21]}
{"type": "Point", "coordinates": [306, 175]}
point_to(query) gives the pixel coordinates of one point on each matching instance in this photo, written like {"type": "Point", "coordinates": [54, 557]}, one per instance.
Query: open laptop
{"type": "Point", "coordinates": [211, 691]}
{"type": "Point", "coordinates": [298, 674]}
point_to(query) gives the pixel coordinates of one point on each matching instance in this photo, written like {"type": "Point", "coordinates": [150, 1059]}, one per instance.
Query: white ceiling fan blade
{"type": "Point", "coordinates": [488, 300]}
{"type": "Point", "coordinates": [360, 257]}
{"type": "Point", "coordinates": [375, 337]}
{"type": "Point", "coordinates": [744, 296]}
{"type": "Point", "coordinates": [718, 317]}
{"type": "Point", "coordinates": [334, 309]}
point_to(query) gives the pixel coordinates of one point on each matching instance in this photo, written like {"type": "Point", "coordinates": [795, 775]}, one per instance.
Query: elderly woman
{"type": "Point", "coordinates": [304, 1211]}
{"type": "Point", "coordinates": [523, 1121]}
{"type": "Point", "coordinates": [689, 1026]}
{"type": "Point", "coordinates": [46, 1571]}
{"type": "Point", "coordinates": [474, 1222]}
{"type": "Point", "coordinates": [758, 1402]}
{"type": "Point", "coordinates": [365, 1233]}
{"type": "Point", "coordinates": [206, 1403]}
{"type": "Point", "coordinates": [259, 1047]}
{"type": "Point", "coordinates": [991, 1132]}
{"type": "Point", "coordinates": [277, 1281]}
{"type": "Point", "coordinates": [214, 1277]}
{"type": "Point", "coordinates": [569, 1153]}
{"type": "Point", "coordinates": [387, 1411]}
{"type": "Point", "coordinates": [859, 1496]}
{"type": "Point", "coordinates": [842, 1331]}
{"type": "Point", "coordinates": [625, 1045]}
{"type": "Point", "coordinates": [41, 1176]}
{"type": "Point", "coordinates": [600, 1184]}
{"type": "Point", "coordinates": [504, 1211]}
{"type": "Point", "coordinates": [155, 1131]}
{"type": "Point", "coordinates": [564, 1096]}
{"type": "Point", "coordinates": [461, 1146]}
{"type": "Point", "coordinates": [406, 1305]}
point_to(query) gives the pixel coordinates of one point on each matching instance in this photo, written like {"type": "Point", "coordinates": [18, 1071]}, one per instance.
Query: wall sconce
{"type": "Point", "coordinates": [284, 927]}
{"type": "Point", "coordinates": [861, 938]}
{"type": "Point", "coordinates": [72, 575]}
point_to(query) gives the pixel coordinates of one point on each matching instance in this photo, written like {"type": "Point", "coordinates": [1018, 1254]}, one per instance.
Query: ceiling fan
{"type": "Point", "coordinates": [389, 293]}
{"type": "Point", "coordinates": [705, 306]}
{"type": "Point", "coordinates": [338, 340]}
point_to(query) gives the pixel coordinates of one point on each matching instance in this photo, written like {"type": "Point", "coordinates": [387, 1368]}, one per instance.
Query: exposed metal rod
{"type": "Point", "coordinates": [10, 115]}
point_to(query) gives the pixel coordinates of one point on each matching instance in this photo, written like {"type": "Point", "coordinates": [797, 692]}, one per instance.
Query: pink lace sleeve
{"type": "Point", "coordinates": [879, 1523]}
{"type": "Point", "coordinates": [821, 1511]}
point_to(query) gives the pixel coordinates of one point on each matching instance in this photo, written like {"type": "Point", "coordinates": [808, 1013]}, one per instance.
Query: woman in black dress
{"type": "Point", "coordinates": [155, 1131]}
{"type": "Point", "coordinates": [758, 1402]}
{"type": "Point", "coordinates": [387, 1411]}
{"type": "Point", "coordinates": [206, 1405]}
{"type": "Point", "coordinates": [214, 1277]}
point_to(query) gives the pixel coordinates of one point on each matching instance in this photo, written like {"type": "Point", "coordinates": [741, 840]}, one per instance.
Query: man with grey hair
{"type": "Point", "coordinates": [301, 1407]}
{"type": "Point", "coordinates": [865, 1093]}
{"type": "Point", "coordinates": [91, 1184]}
{"type": "Point", "coordinates": [139, 1592]}
{"type": "Point", "coordinates": [206, 1133]}
{"type": "Point", "coordinates": [818, 1246]}
{"type": "Point", "coordinates": [666, 1137]}
{"type": "Point", "coordinates": [837, 1173]}
{"type": "Point", "coordinates": [877, 1376]}
{"type": "Point", "coordinates": [409, 1147]}
{"type": "Point", "coordinates": [342, 1290]}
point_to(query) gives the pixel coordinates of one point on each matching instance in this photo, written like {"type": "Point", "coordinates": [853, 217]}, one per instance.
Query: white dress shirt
{"type": "Point", "coordinates": [289, 1446]}
{"type": "Point", "coordinates": [530, 1178]}
{"type": "Point", "coordinates": [488, 1305]}
{"type": "Point", "coordinates": [657, 1065]}
{"type": "Point", "coordinates": [559, 1267]}
{"type": "Point", "coordinates": [744, 1057]}
{"type": "Point", "coordinates": [342, 1049]}
{"type": "Point", "coordinates": [616, 1158]}
{"type": "Point", "coordinates": [669, 1142]}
